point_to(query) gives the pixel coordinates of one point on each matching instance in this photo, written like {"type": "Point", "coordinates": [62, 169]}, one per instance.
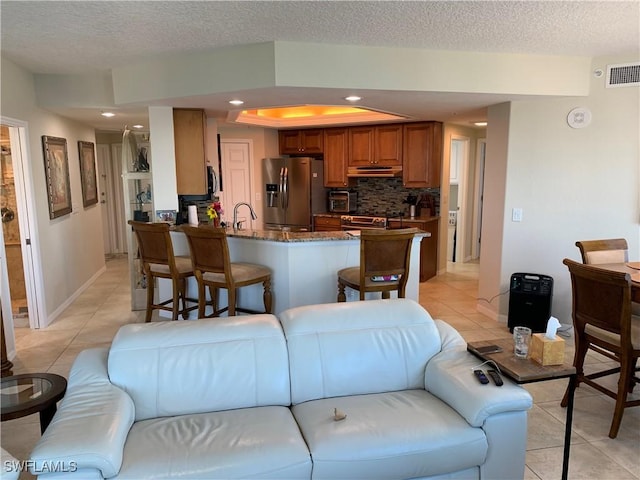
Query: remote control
{"type": "Point", "coordinates": [495, 376]}
{"type": "Point", "coordinates": [482, 378]}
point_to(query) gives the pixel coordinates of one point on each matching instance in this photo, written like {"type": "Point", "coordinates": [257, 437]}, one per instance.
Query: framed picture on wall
{"type": "Point", "coordinates": [56, 166]}
{"type": "Point", "coordinates": [88, 173]}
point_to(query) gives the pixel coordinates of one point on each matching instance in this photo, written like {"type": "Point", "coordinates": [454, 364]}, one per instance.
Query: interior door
{"type": "Point", "coordinates": [236, 179]}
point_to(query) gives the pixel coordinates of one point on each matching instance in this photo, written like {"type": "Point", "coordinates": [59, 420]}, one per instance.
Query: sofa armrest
{"type": "Point", "coordinates": [92, 423]}
{"type": "Point", "coordinates": [449, 376]}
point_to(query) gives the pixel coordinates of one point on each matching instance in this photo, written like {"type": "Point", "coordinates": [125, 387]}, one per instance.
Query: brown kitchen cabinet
{"type": "Point", "coordinates": [326, 223]}
{"type": "Point", "coordinates": [189, 130]}
{"type": "Point", "coordinates": [428, 246]}
{"type": "Point", "coordinates": [298, 142]}
{"type": "Point", "coordinates": [379, 145]}
{"type": "Point", "coordinates": [422, 154]}
{"type": "Point", "coordinates": [336, 157]}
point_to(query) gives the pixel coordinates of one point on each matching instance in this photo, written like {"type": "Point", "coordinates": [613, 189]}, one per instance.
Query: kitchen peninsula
{"type": "Point", "coordinates": [304, 265]}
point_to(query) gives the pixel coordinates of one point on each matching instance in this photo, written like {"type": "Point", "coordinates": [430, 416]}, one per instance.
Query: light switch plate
{"type": "Point", "coordinates": [516, 215]}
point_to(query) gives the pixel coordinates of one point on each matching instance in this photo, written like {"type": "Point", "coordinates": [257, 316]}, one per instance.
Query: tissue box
{"type": "Point", "coordinates": [546, 351]}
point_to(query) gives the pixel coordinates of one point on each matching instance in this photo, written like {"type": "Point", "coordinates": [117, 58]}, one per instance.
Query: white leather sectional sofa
{"type": "Point", "coordinates": [254, 397]}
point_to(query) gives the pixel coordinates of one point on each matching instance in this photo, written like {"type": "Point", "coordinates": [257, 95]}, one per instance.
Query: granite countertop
{"type": "Point", "coordinates": [294, 237]}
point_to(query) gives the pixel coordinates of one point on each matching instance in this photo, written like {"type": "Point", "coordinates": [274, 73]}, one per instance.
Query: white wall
{"type": "Point", "coordinates": [572, 184]}
{"type": "Point", "coordinates": [70, 248]}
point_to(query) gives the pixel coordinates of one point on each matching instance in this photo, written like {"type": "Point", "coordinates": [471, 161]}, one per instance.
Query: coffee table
{"type": "Point", "coordinates": [28, 393]}
{"type": "Point", "coordinates": [526, 370]}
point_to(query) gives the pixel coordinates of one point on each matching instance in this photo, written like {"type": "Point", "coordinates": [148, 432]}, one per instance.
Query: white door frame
{"type": "Point", "coordinates": [461, 231]}
{"type": "Point", "coordinates": [481, 148]}
{"type": "Point", "coordinates": [29, 238]}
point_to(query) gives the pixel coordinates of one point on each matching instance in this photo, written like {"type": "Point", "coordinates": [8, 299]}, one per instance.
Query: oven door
{"type": "Point", "coordinates": [339, 205]}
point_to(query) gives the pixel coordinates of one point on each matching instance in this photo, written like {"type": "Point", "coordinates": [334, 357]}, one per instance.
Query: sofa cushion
{"type": "Point", "coordinates": [262, 442]}
{"type": "Point", "coordinates": [178, 368]}
{"type": "Point", "coordinates": [389, 435]}
{"type": "Point", "coordinates": [358, 347]}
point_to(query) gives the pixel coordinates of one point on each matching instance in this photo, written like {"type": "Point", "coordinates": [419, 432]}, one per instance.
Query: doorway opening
{"type": "Point", "coordinates": [11, 233]}
{"type": "Point", "coordinates": [457, 230]}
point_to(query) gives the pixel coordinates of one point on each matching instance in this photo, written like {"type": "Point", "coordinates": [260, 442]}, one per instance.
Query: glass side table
{"type": "Point", "coordinates": [25, 394]}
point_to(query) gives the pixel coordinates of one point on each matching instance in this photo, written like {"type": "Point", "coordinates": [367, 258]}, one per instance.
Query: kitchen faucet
{"type": "Point", "coordinates": [236, 224]}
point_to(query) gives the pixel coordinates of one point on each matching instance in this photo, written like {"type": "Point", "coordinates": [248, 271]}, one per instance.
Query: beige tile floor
{"type": "Point", "coordinates": [96, 315]}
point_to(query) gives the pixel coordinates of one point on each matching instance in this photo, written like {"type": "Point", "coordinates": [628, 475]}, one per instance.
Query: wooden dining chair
{"type": "Point", "coordinates": [384, 264]}
{"type": "Point", "coordinates": [608, 250]}
{"type": "Point", "coordinates": [159, 261]}
{"type": "Point", "coordinates": [603, 323]}
{"type": "Point", "coordinates": [214, 269]}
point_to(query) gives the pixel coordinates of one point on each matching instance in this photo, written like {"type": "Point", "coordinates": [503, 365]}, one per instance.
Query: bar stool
{"type": "Point", "coordinates": [159, 261]}
{"type": "Point", "coordinates": [384, 264]}
{"type": "Point", "coordinates": [213, 269]}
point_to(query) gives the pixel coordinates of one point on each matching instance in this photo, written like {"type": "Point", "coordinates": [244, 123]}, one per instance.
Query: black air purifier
{"type": "Point", "coordinates": [530, 297]}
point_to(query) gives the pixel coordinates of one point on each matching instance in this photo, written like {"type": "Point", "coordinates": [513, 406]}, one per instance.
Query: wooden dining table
{"type": "Point", "coordinates": [632, 268]}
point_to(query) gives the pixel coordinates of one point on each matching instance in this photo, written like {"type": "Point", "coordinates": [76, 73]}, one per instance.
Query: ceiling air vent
{"type": "Point", "coordinates": [623, 75]}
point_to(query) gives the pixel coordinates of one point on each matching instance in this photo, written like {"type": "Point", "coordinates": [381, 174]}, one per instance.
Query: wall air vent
{"type": "Point", "coordinates": [623, 75]}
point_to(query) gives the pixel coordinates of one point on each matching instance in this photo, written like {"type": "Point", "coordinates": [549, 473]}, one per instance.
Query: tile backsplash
{"type": "Point", "coordinates": [385, 196]}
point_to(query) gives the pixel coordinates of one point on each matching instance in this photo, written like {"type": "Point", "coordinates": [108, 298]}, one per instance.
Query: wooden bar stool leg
{"type": "Point", "coordinates": [183, 297]}
{"type": "Point", "coordinates": [150, 293]}
{"type": "Point", "coordinates": [232, 301]}
{"type": "Point", "coordinates": [341, 295]}
{"type": "Point", "coordinates": [175, 306]}
{"type": "Point", "coordinates": [266, 296]}
{"type": "Point", "coordinates": [202, 300]}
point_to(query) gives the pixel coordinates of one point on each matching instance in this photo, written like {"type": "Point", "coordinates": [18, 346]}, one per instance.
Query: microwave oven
{"type": "Point", "coordinates": [341, 201]}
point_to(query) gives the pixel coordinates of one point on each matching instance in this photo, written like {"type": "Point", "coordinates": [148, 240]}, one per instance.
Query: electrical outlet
{"type": "Point", "coordinates": [516, 215]}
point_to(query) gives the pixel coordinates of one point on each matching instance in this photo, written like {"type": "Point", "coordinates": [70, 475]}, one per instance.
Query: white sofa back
{"type": "Point", "coordinates": [337, 350]}
{"type": "Point", "coordinates": [177, 368]}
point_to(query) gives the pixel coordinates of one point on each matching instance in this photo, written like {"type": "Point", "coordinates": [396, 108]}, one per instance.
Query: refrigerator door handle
{"type": "Point", "coordinates": [285, 185]}
{"type": "Point", "coordinates": [281, 188]}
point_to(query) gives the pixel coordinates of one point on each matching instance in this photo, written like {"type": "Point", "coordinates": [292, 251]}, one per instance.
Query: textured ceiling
{"type": "Point", "coordinates": [80, 37]}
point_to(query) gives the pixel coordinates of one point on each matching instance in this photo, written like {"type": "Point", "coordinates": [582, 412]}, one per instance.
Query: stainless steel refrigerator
{"type": "Point", "coordinates": [294, 191]}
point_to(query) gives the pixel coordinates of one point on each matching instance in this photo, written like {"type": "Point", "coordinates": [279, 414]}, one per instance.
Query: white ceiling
{"type": "Point", "coordinates": [62, 37]}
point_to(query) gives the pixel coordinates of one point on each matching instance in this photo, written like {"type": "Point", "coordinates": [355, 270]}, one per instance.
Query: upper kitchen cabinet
{"type": "Point", "coordinates": [301, 142]}
{"type": "Point", "coordinates": [375, 146]}
{"type": "Point", "coordinates": [422, 153]}
{"type": "Point", "coordinates": [189, 128]}
{"type": "Point", "coordinates": [336, 157]}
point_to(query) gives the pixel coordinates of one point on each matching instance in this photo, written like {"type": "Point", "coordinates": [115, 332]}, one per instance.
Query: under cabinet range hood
{"type": "Point", "coordinates": [374, 171]}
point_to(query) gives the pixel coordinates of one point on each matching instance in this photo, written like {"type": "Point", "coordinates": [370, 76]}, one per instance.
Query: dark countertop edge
{"type": "Point", "coordinates": [396, 219]}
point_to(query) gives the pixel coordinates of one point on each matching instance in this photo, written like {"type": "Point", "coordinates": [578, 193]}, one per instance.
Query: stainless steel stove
{"type": "Point", "coordinates": [362, 222]}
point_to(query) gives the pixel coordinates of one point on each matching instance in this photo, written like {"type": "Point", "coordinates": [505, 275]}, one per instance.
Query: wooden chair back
{"type": "Point", "coordinates": [209, 250]}
{"type": "Point", "coordinates": [385, 252]}
{"type": "Point", "coordinates": [608, 250]}
{"type": "Point", "coordinates": [601, 298]}
{"type": "Point", "coordinates": [154, 243]}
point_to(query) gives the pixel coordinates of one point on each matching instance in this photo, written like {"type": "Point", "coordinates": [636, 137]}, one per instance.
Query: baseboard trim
{"type": "Point", "coordinates": [49, 319]}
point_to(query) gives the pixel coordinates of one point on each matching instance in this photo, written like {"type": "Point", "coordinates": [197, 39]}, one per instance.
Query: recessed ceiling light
{"type": "Point", "coordinates": [236, 102]}
{"type": "Point", "coordinates": [352, 98]}
{"type": "Point", "coordinates": [108, 114]}
{"type": "Point", "coordinates": [480, 124]}
{"type": "Point", "coordinates": [138, 126]}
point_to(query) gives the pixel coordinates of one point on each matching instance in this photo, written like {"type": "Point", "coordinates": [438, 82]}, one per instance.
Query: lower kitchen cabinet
{"type": "Point", "coordinates": [326, 223]}
{"type": "Point", "coordinates": [429, 245]}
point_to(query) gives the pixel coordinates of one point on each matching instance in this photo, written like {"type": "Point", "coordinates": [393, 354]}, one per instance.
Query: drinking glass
{"type": "Point", "coordinates": [521, 340]}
